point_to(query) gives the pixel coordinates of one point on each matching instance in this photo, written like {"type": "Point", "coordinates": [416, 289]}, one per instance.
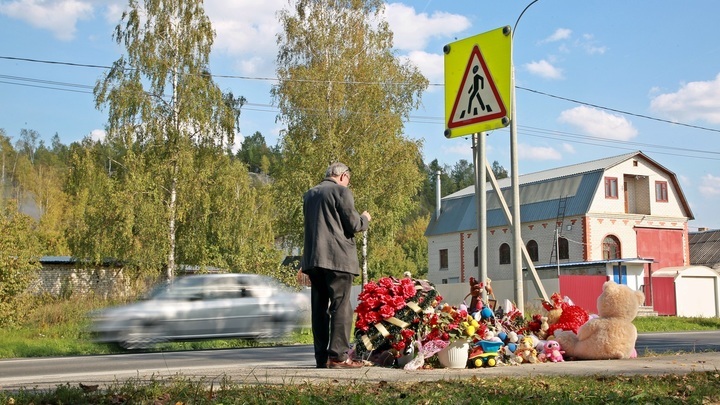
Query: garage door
{"type": "Point", "coordinates": [696, 296]}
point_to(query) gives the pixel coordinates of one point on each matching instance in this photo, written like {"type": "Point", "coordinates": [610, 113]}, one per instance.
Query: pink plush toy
{"type": "Point", "coordinates": [552, 351]}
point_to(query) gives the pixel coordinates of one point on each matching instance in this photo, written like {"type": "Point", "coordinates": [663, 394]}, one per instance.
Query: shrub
{"type": "Point", "coordinates": [19, 252]}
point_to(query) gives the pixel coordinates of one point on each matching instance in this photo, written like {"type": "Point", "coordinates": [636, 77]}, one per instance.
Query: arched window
{"type": "Point", "coordinates": [504, 253]}
{"type": "Point", "coordinates": [611, 248]}
{"type": "Point", "coordinates": [563, 249]}
{"type": "Point", "coordinates": [532, 249]}
{"type": "Point", "coordinates": [477, 258]}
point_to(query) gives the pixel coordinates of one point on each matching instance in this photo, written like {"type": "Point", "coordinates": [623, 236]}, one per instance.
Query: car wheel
{"type": "Point", "coordinates": [141, 337]}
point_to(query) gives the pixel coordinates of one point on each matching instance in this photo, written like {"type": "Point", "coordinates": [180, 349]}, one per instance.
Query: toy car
{"type": "Point", "coordinates": [484, 354]}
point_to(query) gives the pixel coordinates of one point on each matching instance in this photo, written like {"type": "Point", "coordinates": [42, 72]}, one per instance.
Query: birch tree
{"type": "Point", "coordinates": [163, 103]}
{"type": "Point", "coordinates": [344, 96]}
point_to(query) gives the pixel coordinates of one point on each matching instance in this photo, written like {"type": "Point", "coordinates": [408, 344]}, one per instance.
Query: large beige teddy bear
{"type": "Point", "coordinates": [610, 335]}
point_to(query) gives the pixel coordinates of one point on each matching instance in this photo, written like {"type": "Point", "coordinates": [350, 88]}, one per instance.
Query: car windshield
{"type": "Point", "coordinates": [181, 289]}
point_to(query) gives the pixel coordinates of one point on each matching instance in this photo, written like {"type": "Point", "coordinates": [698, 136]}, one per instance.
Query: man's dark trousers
{"type": "Point", "coordinates": [332, 313]}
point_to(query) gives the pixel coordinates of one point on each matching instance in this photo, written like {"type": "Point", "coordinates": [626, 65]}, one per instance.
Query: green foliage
{"type": "Point", "coordinates": [255, 153]}
{"type": "Point", "coordinates": [165, 111]}
{"type": "Point", "coordinates": [344, 95]}
{"type": "Point", "coordinates": [19, 251]}
{"type": "Point", "coordinates": [412, 240]}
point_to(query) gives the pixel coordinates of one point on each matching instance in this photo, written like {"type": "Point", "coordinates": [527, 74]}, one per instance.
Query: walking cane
{"type": "Point", "coordinates": [364, 259]}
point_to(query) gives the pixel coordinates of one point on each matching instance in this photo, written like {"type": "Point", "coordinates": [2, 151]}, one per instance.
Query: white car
{"type": "Point", "coordinates": [208, 306]}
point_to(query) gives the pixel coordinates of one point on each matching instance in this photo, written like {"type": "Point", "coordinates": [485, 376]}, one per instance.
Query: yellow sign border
{"type": "Point", "coordinates": [496, 49]}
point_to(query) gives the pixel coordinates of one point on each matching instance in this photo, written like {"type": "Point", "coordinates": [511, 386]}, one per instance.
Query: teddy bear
{"type": "Point", "coordinates": [525, 351]}
{"type": "Point", "coordinates": [476, 288]}
{"type": "Point", "coordinates": [551, 352]}
{"type": "Point", "coordinates": [611, 334]}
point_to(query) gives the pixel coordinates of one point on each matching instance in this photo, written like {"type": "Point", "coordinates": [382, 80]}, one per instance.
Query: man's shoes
{"type": "Point", "coordinates": [349, 363]}
{"type": "Point", "coordinates": [321, 365]}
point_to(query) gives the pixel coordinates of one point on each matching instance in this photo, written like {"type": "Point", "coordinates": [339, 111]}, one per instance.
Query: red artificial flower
{"type": "Point", "coordinates": [386, 311]}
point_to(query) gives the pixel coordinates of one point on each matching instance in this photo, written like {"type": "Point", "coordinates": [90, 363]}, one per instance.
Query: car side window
{"type": "Point", "coordinates": [223, 288]}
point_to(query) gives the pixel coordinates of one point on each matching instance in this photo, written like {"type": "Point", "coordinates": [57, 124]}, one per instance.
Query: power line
{"type": "Point", "coordinates": [258, 78]}
{"type": "Point", "coordinates": [618, 111]}
{"type": "Point", "coordinates": [549, 134]}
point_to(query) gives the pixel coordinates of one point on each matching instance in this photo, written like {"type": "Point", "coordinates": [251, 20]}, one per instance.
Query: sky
{"type": "Point", "coordinates": [594, 78]}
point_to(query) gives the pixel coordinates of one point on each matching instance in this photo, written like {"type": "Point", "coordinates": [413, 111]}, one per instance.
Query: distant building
{"type": "Point", "coordinates": [616, 218]}
{"type": "Point", "coordinates": [705, 248]}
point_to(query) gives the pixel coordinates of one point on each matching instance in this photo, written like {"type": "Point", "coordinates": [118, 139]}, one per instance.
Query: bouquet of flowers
{"type": "Point", "coordinates": [390, 312]}
{"type": "Point", "coordinates": [450, 323]}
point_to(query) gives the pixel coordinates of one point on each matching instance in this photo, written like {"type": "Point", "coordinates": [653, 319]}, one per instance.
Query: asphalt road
{"type": "Point", "coordinates": [667, 353]}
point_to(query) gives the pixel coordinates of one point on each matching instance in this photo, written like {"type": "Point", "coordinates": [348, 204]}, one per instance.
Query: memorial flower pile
{"type": "Point", "coordinates": [390, 312]}
{"type": "Point", "coordinates": [450, 323]}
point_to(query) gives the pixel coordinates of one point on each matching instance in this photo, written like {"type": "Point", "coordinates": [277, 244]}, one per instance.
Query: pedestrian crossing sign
{"type": "Point", "coordinates": [477, 88]}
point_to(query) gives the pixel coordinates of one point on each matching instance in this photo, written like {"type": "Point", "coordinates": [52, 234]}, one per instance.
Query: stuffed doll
{"type": "Point", "coordinates": [563, 315]}
{"type": "Point", "coordinates": [552, 352]}
{"type": "Point", "coordinates": [525, 351]}
{"type": "Point", "coordinates": [476, 288]}
{"type": "Point", "coordinates": [610, 335]}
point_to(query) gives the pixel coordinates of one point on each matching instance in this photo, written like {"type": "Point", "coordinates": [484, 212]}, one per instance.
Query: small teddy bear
{"type": "Point", "coordinates": [610, 335]}
{"type": "Point", "coordinates": [552, 352]}
{"type": "Point", "coordinates": [525, 351]}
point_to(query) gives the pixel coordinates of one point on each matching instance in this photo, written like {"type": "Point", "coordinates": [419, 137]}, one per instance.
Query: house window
{"type": "Point", "coordinates": [477, 258]}
{"type": "Point", "coordinates": [611, 187]}
{"type": "Point", "coordinates": [611, 248]}
{"type": "Point", "coordinates": [532, 249]}
{"type": "Point", "coordinates": [563, 249]}
{"type": "Point", "coordinates": [443, 259]}
{"type": "Point", "coordinates": [661, 194]}
{"type": "Point", "coordinates": [504, 253]}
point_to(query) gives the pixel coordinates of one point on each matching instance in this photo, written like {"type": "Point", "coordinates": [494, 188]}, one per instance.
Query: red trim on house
{"type": "Point", "coordinates": [462, 257]}
{"type": "Point", "coordinates": [586, 238]}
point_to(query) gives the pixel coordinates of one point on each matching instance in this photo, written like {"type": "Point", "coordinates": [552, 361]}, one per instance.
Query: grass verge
{"type": "Point", "coordinates": [693, 388]}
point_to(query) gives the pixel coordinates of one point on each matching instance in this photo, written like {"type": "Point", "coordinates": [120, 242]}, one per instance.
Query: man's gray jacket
{"type": "Point", "coordinates": [331, 222]}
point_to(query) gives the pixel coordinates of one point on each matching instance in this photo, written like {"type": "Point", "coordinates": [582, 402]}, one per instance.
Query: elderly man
{"type": "Point", "coordinates": [330, 260]}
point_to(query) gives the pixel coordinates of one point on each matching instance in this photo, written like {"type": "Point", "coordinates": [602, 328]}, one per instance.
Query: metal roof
{"type": "Point", "coordinates": [539, 201]}
{"type": "Point", "coordinates": [705, 248]}
{"type": "Point", "coordinates": [540, 195]}
{"type": "Point", "coordinates": [558, 172]}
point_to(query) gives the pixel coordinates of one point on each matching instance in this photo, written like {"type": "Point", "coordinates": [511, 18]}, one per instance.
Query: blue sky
{"type": "Point", "coordinates": [595, 78]}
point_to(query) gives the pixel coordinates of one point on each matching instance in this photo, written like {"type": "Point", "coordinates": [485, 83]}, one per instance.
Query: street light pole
{"type": "Point", "coordinates": [517, 223]}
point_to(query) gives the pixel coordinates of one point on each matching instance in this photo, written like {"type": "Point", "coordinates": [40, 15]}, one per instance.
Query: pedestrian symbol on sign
{"type": "Point", "coordinates": [478, 84]}
{"type": "Point", "coordinates": [477, 99]}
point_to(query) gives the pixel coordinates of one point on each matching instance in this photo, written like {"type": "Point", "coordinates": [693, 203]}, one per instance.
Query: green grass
{"type": "Point", "coordinates": [675, 324]}
{"type": "Point", "coordinates": [58, 327]}
{"type": "Point", "coordinates": [693, 388]}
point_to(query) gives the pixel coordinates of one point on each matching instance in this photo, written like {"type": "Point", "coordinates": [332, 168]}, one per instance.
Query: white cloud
{"type": "Point", "coordinates": [599, 123]}
{"type": "Point", "coordinates": [460, 149]}
{"type": "Point", "coordinates": [710, 186]}
{"type": "Point", "coordinates": [544, 69]}
{"type": "Point", "coordinates": [558, 35]}
{"type": "Point", "coordinates": [692, 102]}
{"type": "Point", "coordinates": [413, 31]}
{"type": "Point", "coordinates": [568, 148]}
{"type": "Point", "coordinates": [235, 147]}
{"type": "Point", "coordinates": [57, 16]}
{"type": "Point", "coordinates": [432, 65]}
{"type": "Point", "coordinates": [247, 30]}
{"type": "Point", "coordinates": [530, 152]}
{"type": "Point", "coordinates": [589, 44]}
{"type": "Point", "coordinates": [98, 135]}
{"type": "Point", "coordinates": [113, 12]}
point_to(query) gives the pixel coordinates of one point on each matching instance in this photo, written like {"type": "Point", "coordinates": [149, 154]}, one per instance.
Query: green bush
{"type": "Point", "coordinates": [19, 252]}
